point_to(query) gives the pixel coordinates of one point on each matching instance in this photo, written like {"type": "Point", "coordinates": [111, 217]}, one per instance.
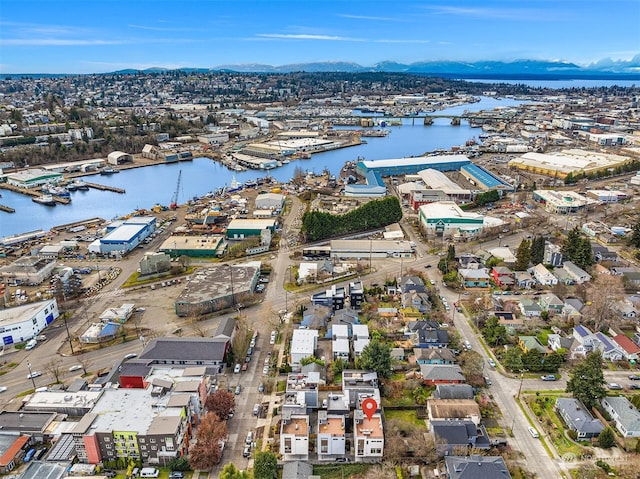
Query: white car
{"type": "Point", "coordinates": [131, 356]}
{"type": "Point", "coordinates": [265, 370]}
{"type": "Point", "coordinates": [3, 389]}
{"type": "Point", "coordinates": [75, 367]}
{"type": "Point", "coordinates": [533, 432]}
{"type": "Point", "coordinates": [272, 340]}
{"type": "Point", "coordinates": [34, 374]}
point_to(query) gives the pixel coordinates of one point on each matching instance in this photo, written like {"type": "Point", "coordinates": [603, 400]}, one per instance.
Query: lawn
{"type": "Point", "coordinates": [542, 407]}
{"type": "Point", "coordinates": [340, 471]}
{"type": "Point", "coordinates": [405, 415]}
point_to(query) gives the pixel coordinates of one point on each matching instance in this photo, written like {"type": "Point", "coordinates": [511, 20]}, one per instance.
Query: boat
{"type": "Point", "coordinates": [46, 200]}
{"type": "Point", "coordinates": [109, 170]}
{"type": "Point", "coordinates": [78, 185]}
{"type": "Point", "coordinates": [54, 190]}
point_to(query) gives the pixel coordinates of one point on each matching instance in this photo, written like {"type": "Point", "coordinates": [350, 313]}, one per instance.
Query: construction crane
{"type": "Point", "coordinates": [174, 199]}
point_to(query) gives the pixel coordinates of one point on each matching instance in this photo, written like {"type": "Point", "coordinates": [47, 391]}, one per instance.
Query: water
{"type": "Point", "coordinates": [152, 185]}
{"type": "Point", "coordinates": [558, 84]}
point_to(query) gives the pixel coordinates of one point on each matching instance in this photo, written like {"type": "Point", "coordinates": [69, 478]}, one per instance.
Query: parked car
{"type": "Point", "coordinates": [246, 452]}
{"type": "Point", "coordinates": [491, 362]}
{"type": "Point", "coordinates": [108, 473]}
{"type": "Point", "coordinates": [238, 390]}
{"type": "Point", "coordinates": [237, 368]}
{"type": "Point", "coordinates": [634, 377]}
{"type": "Point", "coordinates": [3, 389]}
{"type": "Point", "coordinates": [548, 377]}
{"type": "Point", "coordinates": [272, 340]}
{"type": "Point", "coordinates": [75, 367]}
{"type": "Point", "coordinates": [265, 370]}
{"type": "Point", "coordinates": [614, 386]}
{"type": "Point", "coordinates": [634, 386]}
{"type": "Point", "coordinates": [131, 356]}
{"type": "Point", "coordinates": [260, 388]}
{"type": "Point", "coordinates": [245, 366]}
{"type": "Point", "coordinates": [533, 432]}
{"type": "Point", "coordinates": [176, 475]}
{"type": "Point", "coordinates": [34, 374]}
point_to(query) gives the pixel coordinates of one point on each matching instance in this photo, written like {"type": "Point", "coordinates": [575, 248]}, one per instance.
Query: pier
{"type": "Point", "coordinates": [88, 223]}
{"type": "Point", "coordinates": [7, 209]}
{"type": "Point", "coordinates": [98, 186]}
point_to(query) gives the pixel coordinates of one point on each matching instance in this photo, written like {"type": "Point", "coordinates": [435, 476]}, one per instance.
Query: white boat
{"type": "Point", "coordinates": [46, 200]}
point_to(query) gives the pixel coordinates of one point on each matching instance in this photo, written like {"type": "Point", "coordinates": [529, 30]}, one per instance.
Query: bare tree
{"type": "Point", "coordinates": [198, 328]}
{"type": "Point", "coordinates": [241, 339]}
{"type": "Point", "coordinates": [54, 366]}
{"type": "Point", "coordinates": [85, 362]}
{"type": "Point", "coordinates": [607, 292]}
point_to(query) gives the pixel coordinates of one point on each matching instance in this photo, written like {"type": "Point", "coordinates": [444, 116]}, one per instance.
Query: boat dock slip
{"type": "Point", "coordinates": [105, 187]}
{"type": "Point", "coordinates": [7, 209]}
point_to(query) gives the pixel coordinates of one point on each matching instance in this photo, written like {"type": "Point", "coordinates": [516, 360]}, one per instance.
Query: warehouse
{"type": "Point", "coordinates": [407, 166]}
{"type": "Point", "coordinates": [574, 161]}
{"type": "Point", "coordinates": [23, 323]}
{"type": "Point", "coordinates": [366, 249]}
{"type": "Point", "coordinates": [194, 246]}
{"type": "Point", "coordinates": [244, 228]}
{"type": "Point", "coordinates": [124, 236]}
{"type": "Point", "coordinates": [484, 179]}
{"type": "Point", "coordinates": [563, 202]}
{"type": "Point", "coordinates": [436, 180]}
{"type": "Point", "coordinates": [33, 178]}
{"type": "Point", "coordinates": [119, 158]}
{"type": "Point", "coordinates": [374, 187]}
{"type": "Point", "coordinates": [29, 269]}
{"type": "Point", "coordinates": [269, 201]}
{"type": "Point", "coordinates": [447, 219]}
{"type": "Point", "coordinates": [217, 287]}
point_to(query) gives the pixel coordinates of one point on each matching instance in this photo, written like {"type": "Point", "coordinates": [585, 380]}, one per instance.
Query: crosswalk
{"type": "Point", "coordinates": [105, 294]}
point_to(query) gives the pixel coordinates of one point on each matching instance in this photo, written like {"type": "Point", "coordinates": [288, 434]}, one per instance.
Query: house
{"type": "Point", "coordinates": [360, 338]}
{"type": "Point", "coordinates": [524, 280]}
{"type": "Point", "coordinates": [632, 278]}
{"type": "Point", "coordinates": [542, 275]}
{"type": "Point", "coordinates": [304, 342]}
{"type": "Point", "coordinates": [434, 356]}
{"type": "Point", "coordinates": [529, 308]}
{"type": "Point", "coordinates": [571, 313]}
{"type": "Point", "coordinates": [417, 301]}
{"type": "Point", "coordinates": [602, 253]}
{"type": "Point", "coordinates": [368, 436]}
{"type": "Point", "coordinates": [450, 435]}
{"type": "Point", "coordinates": [453, 391]}
{"type": "Point", "coordinates": [356, 294]}
{"type": "Point", "coordinates": [334, 297]}
{"type": "Point", "coordinates": [469, 261]}
{"type": "Point", "coordinates": [433, 374]}
{"type": "Point", "coordinates": [629, 348]}
{"type": "Point", "coordinates": [508, 319]}
{"type": "Point", "coordinates": [294, 436]}
{"type": "Point", "coordinates": [504, 254]}
{"type": "Point", "coordinates": [608, 347]}
{"type": "Point", "coordinates": [527, 343]}
{"type": "Point", "coordinates": [556, 342]}
{"type": "Point", "coordinates": [453, 409]}
{"type": "Point", "coordinates": [476, 467]}
{"type": "Point", "coordinates": [564, 277]}
{"type": "Point", "coordinates": [411, 283]}
{"type": "Point", "coordinates": [551, 303]}
{"type": "Point", "coordinates": [297, 470]}
{"type": "Point", "coordinates": [331, 436]}
{"type": "Point", "coordinates": [503, 276]}
{"type": "Point", "coordinates": [474, 278]}
{"type": "Point", "coordinates": [552, 254]}
{"type": "Point", "coordinates": [578, 418]}
{"type": "Point", "coordinates": [427, 334]}
{"type": "Point", "coordinates": [624, 414]}
{"type": "Point", "coordinates": [626, 309]}
{"type": "Point", "coordinates": [578, 274]}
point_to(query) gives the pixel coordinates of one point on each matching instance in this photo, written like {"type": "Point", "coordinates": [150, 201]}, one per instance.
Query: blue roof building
{"type": "Point", "coordinates": [375, 187]}
{"type": "Point", "coordinates": [408, 166]}
{"type": "Point", "coordinates": [483, 178]}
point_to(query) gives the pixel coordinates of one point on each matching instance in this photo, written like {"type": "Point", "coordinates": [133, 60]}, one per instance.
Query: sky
{"type": "Point", "coordinates": [95, 36]}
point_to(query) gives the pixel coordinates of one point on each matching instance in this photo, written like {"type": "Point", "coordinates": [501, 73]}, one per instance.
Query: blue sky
{"type": "Point", "coordinates": [93, 36]}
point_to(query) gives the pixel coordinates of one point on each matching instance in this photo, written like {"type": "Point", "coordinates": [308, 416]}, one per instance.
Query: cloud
{"type": "Point", "coordinates": [307, 36]}
{"type": "Point", "coordinates": [494, 13]}
{"type": "Point", "coordinates": [164, 29]}
{"type": "Point", "coordinates": [371, 18]}
{"type": "Point", "coordinates": [55, 42]}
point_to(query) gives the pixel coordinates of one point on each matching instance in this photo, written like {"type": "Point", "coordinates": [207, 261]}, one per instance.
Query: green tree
{"type": "Point", "coordinates": [488, 197]}
{"type": "Point", "coordinates": [586, 381]}
{"type": "Point", "coordinates": [230, 471]}
{"type": "Point", "coordinates": [513, 360]}
{"type": "Point", "coordinates": [451, 252]}
{"type": "Point", "coordinates": [634, 239]}
{"type": "Point", "coordinates": [523, 256]}
{"type": "Point", "coordinates": [537, 250]}
{"type": "Point", "coordinates": [577, 248]}
{"type": "Point", "coordinates": [265, 466]}
{"type": "Point", "coordinates": [376, 356]}
{"type": "Point", "coordinates": [532, 360]}
{"type": "Point", "coordinates": [606, 438]}
{"type": "Point", "coordinates": [494, 334]}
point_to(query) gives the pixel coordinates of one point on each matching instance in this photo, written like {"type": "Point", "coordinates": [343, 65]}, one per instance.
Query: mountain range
{"type": "Point", "coordinates": [481, 69]}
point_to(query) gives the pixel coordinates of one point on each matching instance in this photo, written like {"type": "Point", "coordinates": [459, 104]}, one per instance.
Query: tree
{"type": "Point", "coordinates": [494, 334]}
{"type": "Point", "coordinates": [586, 381]}
{"type": "Point", "coordinates": [207, 451]}
{"type": "Point", "coordinates": [606, 438]}
{"type": "Point", "coordinates": [241, 339]}
{"type": "Point", "coordinates": [537, 250]}
{"type": "Point", "coordinates": [608, 291]}
{"type": "Point", "coordinates": [221, 403]}
{"type": "Point", "coordinates": [376, 356]}
{"type": "Point", "coordinates": [86, 362]}
{"type": "Point", "coordinates": [451, 252]}
{"type": "Point", "coordinates": [523, 256]}
{"type": "Point", "coordinates": [265, 466]}
{"type": "Point", "coordinates": [54, 366]}
{"type": "Point", "coordinates": [230, 471]}
{"type": "Point", "coordinates": [577, 248]}
{"type": "Point", "coordinates": [179, 464]}
{"type": "Point", "coordinates": [634, 239]}
{"type": "Point", "coordinates": [472, 365]}
{"type": "Point", "coordinates": [513, 360]}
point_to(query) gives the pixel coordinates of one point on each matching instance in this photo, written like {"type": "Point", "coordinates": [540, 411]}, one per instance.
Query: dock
{"type": "Point", "coordinates": [88, 223]}
{"type": "Point", "coordinates": [105, 187]}
{"type": "Point", "coordinates": [7, 209]}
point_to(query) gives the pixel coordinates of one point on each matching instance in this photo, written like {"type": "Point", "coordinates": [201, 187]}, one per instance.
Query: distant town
{"type": "Point", "coordinates": [471, 311]}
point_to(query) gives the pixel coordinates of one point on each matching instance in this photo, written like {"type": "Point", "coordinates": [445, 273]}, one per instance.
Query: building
{"type": "Point", "coordinates": [123, 237]}
{"type": "Point", "coordinates": [407, 166]}
{"type": "Point", "coordinates": [578, 418]}
{"type": "Point", "coordinates": [433, 374]}
{"type": "Point", "coordinates": [450, 435]}
{"type": "Point", "coordinates": [334, 297]}
{"type": "Point", "coordinates": [563, 202]}
{"type": "Point", "coordinates": [356, 294]}
{"type": "Point", "coordinates": [33, 177]}
{"type": "Point", "coordinates": [269, 201]}
{"type": "Point", "coordinates": [438, 181]}
{"type": "Point", "coordinates": [374, 187]}
{"type": "Point", "coordinates": [62, 402]}
{"type": "Point", "coordinates": [304, 343]}
{"type": "Point", "coordinates": [331, 436]}
{"type": "Point", "coordinates": [25, 322]}
{"type": "Point", "coordinates": [484, 179]}
{"type": "Point", "coordinates": [624, 414]}
{"type": "Point", "coordinates": [579, 275]}
{"type": "Point", "coordinates": [194, 246]}
{"type": "Point", "coordinates": [369, 249]}
{"type": "Point", "coordinates": [294, 437]}
{"type": "Point", "coordinates": [30, 270]}
{"type": "Point", "coordinates": [476, 467]}
{"type": "Point", "coordinates": [552, 254]}
{"type": "Point", "coordinates": [453, 410]}
{"type": "Point", "coordinates": [12, 450]}
{"type": "Point", "coordinates": [543, 276]}
{"type": "Point", "coordinates": [154, 263]}
{"type": "Point", "coordinates": [360, 338]}
{"type": "Point", "coordinates": [573, 161]}
{"type": "Point", "coordinates": [447, 219]}
{"type": "Point", "coordinates": [119, 158]}
{"type": "Point", "coordinates": [368, 436]}
{"type": "Point", "coordinates": [217, 287]}
{"type": "Point", "coordinates": [245, 228]}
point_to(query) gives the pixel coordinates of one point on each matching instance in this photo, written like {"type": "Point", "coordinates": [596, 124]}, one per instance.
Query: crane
{"type": "Point", "coordinates": [174, 199]}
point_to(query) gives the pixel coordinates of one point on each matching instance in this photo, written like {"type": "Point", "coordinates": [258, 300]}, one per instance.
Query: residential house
{"type": "Point", "coordinates": [13, 448]}
{"type": "Point", "coordinates": [602, 253]}
{"type": "Point", "coordinates": [417, 301]}
{"type": "Point", "coordinates": [564, 277]}
{"type": "Point", "coordinates": [608, 347]}
{"type": "Point", "coordinates": [469, 261]}
{"type": "Point", "coordinates": [356, 385]}
{"type": "Point", "coordinates": [556, 342]}
{"type": "Point", "coordinates": [509, 320]}
{"type": "Point", "coordinates": [450, 435]}
{"type": "Point", "coordinates": [340, 341]}
{"type": "Point", "coordinates": [433, 374]}
{"type": "Point", "coordinates": [527, 343]}
{"type": "Point", "coordinates": [552, 254]}
{"type": "Point", "coordinates": [360, 338]}
{"type": "Point", "coordinates": [304, 343]}
{"type": "Point", "coordinates": [524, 280]}
{"type": "Point", "coordinates": [334, 297]}
{"type": "Point", "coordinates": [294, 436]}
{"type": "Point", "coordinates": [453, 391]}
{"type": "Point", "coordinates": [583, 341]}
{"type": "Point", "coordinates": [578, 274]}
{"type": "Point", "coordinates": [624, 414]}
{"type": "Point", "coordinates": [434, 356]}
{"type": "Point", "coordinates": [504, 254]}
{"type": "Point", "coordinates": [474, 278]}
{"type": "Point", "coordinates": [356, 294]}
{"type": "Point", "coordinates": [411, 283]}
{"type": "Point", "coordinates": [453, 409]}
{"type": "Point", "coordinates": [301, 392]}
{"type": "Point", "coordinates": [529, 307]}
{"type": "Point", "coordinates": [551, 303]}
{"type": "Point", "coordinates": [503, 276]}
{"type": "Point", "coordinates": [368, 436]}
{"type": "Point", "coordinates": [427, 334]}
{"type": "Point", "coordinates": [542, 275]}
{"type": "Point", "coordinates": [578, 418]}
{"type": "Point", "coordinates": [629, 348]}
{"type": "Point", "coordinates": [626, 309]}
{"type": "Point", "coordinates": [632, 278]}
{"type": "Point", "coordinates": [331, 436]}
{"type": "Point", "coordinates": [476, 467]}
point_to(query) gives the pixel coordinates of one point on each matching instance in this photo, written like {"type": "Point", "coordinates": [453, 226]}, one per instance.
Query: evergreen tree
{"type": "Point", "coordinates": [451, 253]}
{"type": "Point", "coordinates": [634, 240]}
{"type": "Point", "coordinates": [606, 438]}
{"type": "Point", "coordinates": [265, 466]}
{"type": "Point", "coordinates": [523, 256]}
{"type": "Point", "coordinates": [537, 250]}
{"type": "Point", "coordinates": [586, 380]}
{"type": "Point", "coordinates": [376, 356]}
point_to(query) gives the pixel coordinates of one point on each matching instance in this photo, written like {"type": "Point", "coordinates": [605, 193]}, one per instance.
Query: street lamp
{"type": "Point", "coordinates": [33, 381]}
{"type": "Point", "coordinates": [68, 336]}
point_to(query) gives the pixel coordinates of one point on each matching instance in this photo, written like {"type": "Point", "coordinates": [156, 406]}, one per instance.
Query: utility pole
{"type": "Point", "coordinates": [33, 381]}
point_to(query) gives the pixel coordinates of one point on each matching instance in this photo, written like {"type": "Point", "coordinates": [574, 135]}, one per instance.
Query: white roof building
{"type": "Point", "coordinates": [303, 345]}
